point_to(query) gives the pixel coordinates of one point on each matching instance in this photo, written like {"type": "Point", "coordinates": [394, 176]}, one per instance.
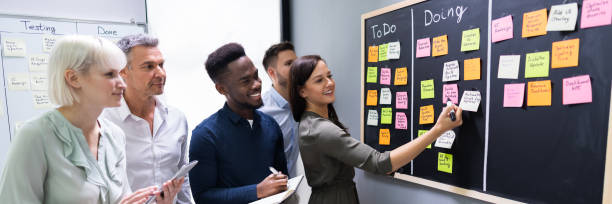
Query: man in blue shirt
{"type": "Point", "coordinates": [236, 146]}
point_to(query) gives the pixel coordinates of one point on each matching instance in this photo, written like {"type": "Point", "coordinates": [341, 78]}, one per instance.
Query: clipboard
{"type": "Point", "coordinates": [292, 186]}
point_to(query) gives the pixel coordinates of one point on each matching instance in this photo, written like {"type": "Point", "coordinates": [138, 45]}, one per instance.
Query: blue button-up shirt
{"type": "Point", "coordinates": [277, 107]}
{"type": "Point", "coordinates": [233, 156]}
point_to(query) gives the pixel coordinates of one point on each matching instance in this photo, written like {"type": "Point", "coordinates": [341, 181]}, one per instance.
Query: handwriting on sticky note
{"type": "Point", "coordinates": [445, 162]}
{"type": "Point", "coordinates": [372, 98]}
{"type": "Point", "coordinates": [393, 50]}
{"type": "Point", "coordinates": [372, 75]}
{"type": "Point", "coordinates": [501, 29]}
{"type": "Point", "coordinates": [534, 23]}
{"type": "Point", "coordinates": [385, 76]}
{"type": "Point", "coordinates": [382, 52]}
{"type": "Point", "coordinates": [427, 89]}
{"type": "Point", "coordinates": [562, 17]}
{"type": "Point", "coordinates": [471, 69]}
{"type": "Point", "coordinates": [508, 66]}
{"type": "Point", "coordinates": [426, 115]}
{"type": "Point", "coordinates": [423, 48]}
{"type": "Point", "coordinates": [450, 91]}
{"type": "Point", "coordinates": [14, 47]}
{"type": "Point", "coordinates": [48, 42]}
{"type": "Point", "coordinates": [440, 46]}
{"type": "Point", "coordinates": [596, 13]}
{"type": "Point", "coordinates": [18, 81]}
{"type": "Point", "coordinates": [536, 64]}
{"type": "Point", "coordinates": [401, 76]}
{"type": "Point", "coordinates": [514, 95]}
{"type": "Point", "coordinates": [446, 139]}
{"type": "Point", "coordinates": [401, 100]}
{"type": "Point", "coordinates": [539, 93]}
{"type": "Point", "coordinates": [373, 54]}
{"type": "Point", "coordinates": [372, 118]}
{"type": "Point", "coordinates": [401, 121]}
{"type": "Point", "coordinates": [565, 53]}
{"type": "Point", "coordinates": [385, 96]}
{"type": "Point", "coordinates": [384, 137]}
{"type": "Point", "coordinates": [421, 132]}
{"type": "Point", "coordinates": [451, 71]}
{"type": "Point", "coordinates": [39, 81]}
{"type": "Point", "coordinates": [41, 100]}
{"type": "Point", "coordinates": [386, 115]}
{"type": "Point", "coordinates": [470, 101]}
{"type": "Point", "coordinates": [38, 63]}
{"type": "Point", "coordinates": [577, 90]}
{"type": "Point", "coordinates": [470, 40]}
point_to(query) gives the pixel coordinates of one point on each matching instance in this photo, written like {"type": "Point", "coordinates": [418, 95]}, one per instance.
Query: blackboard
{"type": "Point", "coordinates": [535, 154]}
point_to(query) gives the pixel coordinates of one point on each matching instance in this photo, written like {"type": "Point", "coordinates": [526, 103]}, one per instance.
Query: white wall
{"type": "Point", "coordinates": [190, 30]}
{"type": "Point", "coordinates": [108, 10]}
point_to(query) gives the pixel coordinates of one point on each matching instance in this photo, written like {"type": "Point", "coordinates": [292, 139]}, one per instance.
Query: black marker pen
{"type": "Point", "coordinates": [452, 112]}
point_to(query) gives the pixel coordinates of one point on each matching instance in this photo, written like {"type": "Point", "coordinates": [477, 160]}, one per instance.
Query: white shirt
{"type": "Point", "coordinates": [153, 159]}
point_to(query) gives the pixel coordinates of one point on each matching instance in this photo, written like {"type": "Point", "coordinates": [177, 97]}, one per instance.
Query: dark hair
{"type": "Point", "coordinates": [219, 59]}
{"type": "Point", "coordinates": [301, 69]}
{"type": "Point", "coordinates": [271, 55]}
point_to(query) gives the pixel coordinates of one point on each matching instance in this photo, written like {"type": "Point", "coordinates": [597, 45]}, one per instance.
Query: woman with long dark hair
{"type": "Point", "coordinates": [329, 153]}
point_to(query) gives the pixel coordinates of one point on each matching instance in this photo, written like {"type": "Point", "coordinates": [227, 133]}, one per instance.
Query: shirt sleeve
{"type": "Point", "coordinates": [280, 162]}
{"type": "Point", "coordinates": [184, 196]}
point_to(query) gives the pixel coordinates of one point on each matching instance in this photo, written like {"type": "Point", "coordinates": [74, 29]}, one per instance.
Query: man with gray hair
{"type": "Point", "coordinates": [156, 134]}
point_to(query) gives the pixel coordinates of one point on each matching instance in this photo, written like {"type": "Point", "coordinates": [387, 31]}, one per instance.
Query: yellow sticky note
{"type": "Point", "coordinates": [445, 162]}
{"type": "Point", "coordinates": [539, 93]}
{"type": "Point", "coordinates": [470, 40]}
{"type": "Point", "coordinates": [401, 76]}
{"type": "Point", "coordinates": [372, 98]}
{"type": "Point", "coordinates": [536, 64]}
{"type": "Point", "coordinates": [373, 54]}
{"type": "Point", "coordinates": [426, 115]}
{"type": "Point", "coordinates": [386, 116]}
{"type": "Point", "coordinates": [372, 75]}
{"type": "Point", "coordinates": [382, 52]}
{"type": "Point", "coordinates": [384, 137]}
{"type": "Point", "coordinates": [421, 132]}
{"type": "Point", "coordinates": [427, 89]}
{"type": "Point", "coordinates": [471, 69]}
{"type": "Point", "coordinates": [440, 46]}
{"type": "Point", "coordinates": [534, 23]}
{"type": "Point", "coordinates": [565, 53]}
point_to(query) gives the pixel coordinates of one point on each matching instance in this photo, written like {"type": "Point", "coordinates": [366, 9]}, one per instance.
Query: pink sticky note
{"type": "Point", "coordinates": [501, 29]}
{"type": "Point", "coordinates": [514, 95]}
{"type": "Point", "coordinates": [596, 13]}
{"type": "Point", "coordinates": [401, 121]}
{"type": "Point", "coordinates": [423, 48]}
{"type": "Point", "coordinates": [450, 91]}
{"type": "Point", "coordinates": [401, 100]}
{"type": "Point", "coordinates": [577, 90]}
{"type": "Point", "coordinates": [385, 76]}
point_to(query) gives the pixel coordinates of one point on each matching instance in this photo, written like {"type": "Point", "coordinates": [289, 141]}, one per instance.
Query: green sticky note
{"type": "Point", "coordinates": [421, 132]}
{"type": "Point", "coordinates": [536, 64]}
{"type": "Point", "coordinates": [382, 52]}
{"type": "Point", "coordinates": [386, 116]}
{"type": "Point", "coordinates": [427, 89]}
{"type": "Point", "coordinates": [470, 40]}
{"type": "Point", "coordinates": [372, 75]}
{"type": "Point", "coordinates": [445, 162]}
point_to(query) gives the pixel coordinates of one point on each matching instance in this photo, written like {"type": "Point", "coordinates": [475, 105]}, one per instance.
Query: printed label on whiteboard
{"type": "Point", "coordinates": [38, 63]}
{"type": "Point", "coordinates": [41, 100]}
{"type": "Point", "coordinates": [18, 81]}
{"type": "Point", "coordinates": [14, 47]}
{"type": "Point", "coordinates": [39, 82]}
{"type": "Point", "coordinates": [48, 41]}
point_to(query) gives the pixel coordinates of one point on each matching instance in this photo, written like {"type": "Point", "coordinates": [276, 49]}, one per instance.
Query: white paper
{"type": "Point", "coordinates": [372, 118]}
{"type": "Point", "coordinates": [508, 66]}
{"type": "Point", "coordinates": [39, 82]}
{"type": "Point", "coordinates": [451, 71]}
{"type": "Point", "coordinates": [446, 140]}
{"type": "Point", "coordinates": [48, 41]}
{"type": "Point", "coordinates": [562, 17]}
{"type": "Point", "coordinates": [292, 186]}
{"type": "Point", "coordinates": [18, 81]}
{"type": "Point", "coordinates": [385, 96]}
{"type": "Point", "coordinates": [393, 51]}
{"type": "Point", "coordinates": [14, 47]}
{"type": "Point", "coordinates": [38, 63]}
{"type": "Point", "coordinates": [41, 100]}
{"type": "Point", "coordinates": [470, 101]}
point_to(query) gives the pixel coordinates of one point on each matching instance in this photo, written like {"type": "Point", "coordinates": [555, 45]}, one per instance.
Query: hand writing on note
{"type": "Point", "coordinates": [273, 184]}
{"type": "Point", "coordinates": [444, 120]}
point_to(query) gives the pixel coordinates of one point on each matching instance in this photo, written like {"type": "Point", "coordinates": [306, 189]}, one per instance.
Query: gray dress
{"type": "Point", "coordinates": [329, 155]}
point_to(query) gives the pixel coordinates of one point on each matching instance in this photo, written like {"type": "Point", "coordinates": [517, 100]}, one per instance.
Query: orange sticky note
{"type": "Point", "coordinates": [426, 115]}
{"type": "Point", "coordinates": [538, 93]}
{"type": "Point", "coordinates": [372, 98]}
{"type": "Point", "coordinates": [373, 54]}
{"type": "Point", "coordinates": [401, 76]}
{"type": "Point", "coordinates": [384, 137]}
{"type": "Point", "coordinates": [471, 69]}
{"type": "Point", "coordinates": [565, 53]}
{"type": "Point", "coordinates": [534, 23]}
{"type": "Point", "coordinates": [440, 46]}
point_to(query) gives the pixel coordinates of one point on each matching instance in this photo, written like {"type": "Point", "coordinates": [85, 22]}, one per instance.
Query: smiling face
{"type": "Point", "coordinates": [100, 86]}
{"type": "Point", "coordinates": [145, 73]}
{"type": "Point", "coordinates": [241, 85]}
{"type": "Point", "coordinates": [319, 88]}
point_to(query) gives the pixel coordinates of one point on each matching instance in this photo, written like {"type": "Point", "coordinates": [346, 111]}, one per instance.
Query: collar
{"type": "Point", "coordinates": [278, 99]}
{"type": "Point", "coordinates": [124, 112]}
{"type": "Point", "coordinates": [234, 117]}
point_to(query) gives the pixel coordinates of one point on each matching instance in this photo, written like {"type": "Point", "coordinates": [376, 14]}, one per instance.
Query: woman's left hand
{"type": "Point", "coordinates": [170, 189]}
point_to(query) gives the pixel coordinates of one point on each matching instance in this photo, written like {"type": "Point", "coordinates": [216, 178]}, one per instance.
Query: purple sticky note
{"type": "Point", "coordinates": [596, 13]}
{"type": "Point", "coordinates": [514, 95]}
{"type": "Point", "coordinates": [577, 90]}
{"type": "Point", "coordinates": [401, 100]}
{"type": "Point", "coordinates": [450, 91]}
{"type": "Point", "coordinates": [385, 76]}
{"type": "Point", "coordinates": [401, 121]}
{"type": "Point", "coordinates": [423, 48]}
{"type": "Point", "coordinates": [501, 29]}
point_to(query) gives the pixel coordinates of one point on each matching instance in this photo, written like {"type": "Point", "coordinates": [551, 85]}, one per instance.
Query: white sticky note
{"type": "Point", "coordinates": [562, 17]}
{"type": "Point", "coordinates": [446, 140]}
{"type": "Point", "coordinates": [18, 81]}
{"type": "Point", "coordinates": [38, 63]}
{"type": "Point", "coordinates": [451, 71]}
{"type": "Point", "coordinates": [372, 118]}
{"type": "Point", "coordinates": [41, 100]}
{"type": "Point", "coordinates": [14, 47]}
{"type": "Point", "coordinates": [39, 82]}
{"type": "Point", "coordinates": [393, 51]}
{"type": "Point", "coordinates": [470, 101]}
{"type": "Point", "coordinates": [508, 66]}
{"type": "Point", "coordinates": [48, 42]}
{"type": "Point", "coordinates": [385, 96]}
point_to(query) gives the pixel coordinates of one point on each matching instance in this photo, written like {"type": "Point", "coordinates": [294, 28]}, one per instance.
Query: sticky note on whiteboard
{"type": "Point", "coordinates": [18, 81]}
{"type": "Point", "coordinates": [385, 76]}
{"type": "Point", "coordinates": [427, 89]}
{"type": "Point", "coordinates": [373, 54]}
{"type": "Point", "coordinates": [372, 98]}
{"type": "Point", "coordinates": [577, 90]}
{"type": "Point", "coordinates": [562, 17]}
{"type": "Point", "coordinates": [508, 66]}
{"type": "Point", "coordinates": [534, 23]}
{"type": "Point", "coordinates": [471, 69]}
{"type": "Point", "coordinates": [450, 71]}
{"type": "Point", "coordinates": [372, 118]}
{"type": "Point", "coordinates": [423, 48]}
{"type": "Point", "coordinates": [501, 29]}
{"type": "Point", "coordinates": [445, 162]}
{"type": "Point", "coordinates": [440, 46]}
{"type": "Point", "coordinates": [470, 40]}
{"type": "Point", "coordinates": [401, 121]}
{"type": "Point", "coordinates": [393, 50]}
{"type": "Point", "coordinates": [48, 42]}
{"type": "Point", "coordinates": [384, 137]}
{"type": "Point", "coordinates": [401, 100]}
{"type": "Point", "coordinates": [536, 64]}
{"type": "Point", "coordinates": [596, 13]}
{"type": "Point", "coordinates": [401, 76]}
{"type": "Point", "coordinates": [450, 91]}
{"type": "Point", "coordinates": [446, 139]}
{"type": "Point", "coordinates": [372, 75]}
{"type": "Point", "coordinates": [385, 96]}
{"type": "Point", "coordinates": [14, 47]}
{"type": "Point", "coordinates": [539, 93]}
{"type": "Point", "coordinates": [426, 115]}
{"type": "Point", "coordinates": [470, 101]}
{"type": "Point", "coordinates": [38, 63]}
{"type": "Point", "coordinates": [565, 53]}
{"type": "Point", "coordinates": [386, 115]}
{"type": "Point", "coordinates": [514, 95]}
{"type": "Point", "coordinates": [382, 52]}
